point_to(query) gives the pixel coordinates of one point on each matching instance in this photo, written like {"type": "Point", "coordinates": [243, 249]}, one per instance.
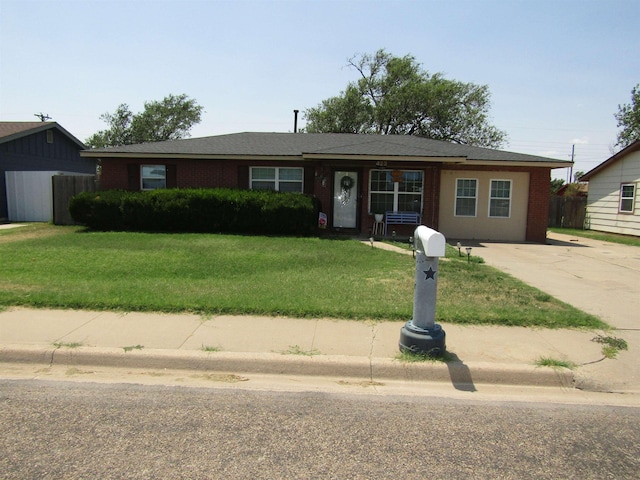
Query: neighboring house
{"type": "Point", "coordinates": [30, 154]}
{"type": "Point", "coordinates": [465, 192]}
{"type": "Point", "coordinates": [612, 204]}
{"type": "Point", "coordinates": [579, 189]}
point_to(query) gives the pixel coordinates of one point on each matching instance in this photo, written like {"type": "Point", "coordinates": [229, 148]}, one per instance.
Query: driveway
{"type": "Point", "coordinates": [597, 277]}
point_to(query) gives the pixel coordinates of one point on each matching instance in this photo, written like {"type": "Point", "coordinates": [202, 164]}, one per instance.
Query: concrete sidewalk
{"type": "Point", "coordinates": [321, 347]}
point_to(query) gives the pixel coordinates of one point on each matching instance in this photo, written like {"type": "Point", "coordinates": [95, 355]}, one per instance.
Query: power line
{"type": "Point", "coordinates": [42, 116]}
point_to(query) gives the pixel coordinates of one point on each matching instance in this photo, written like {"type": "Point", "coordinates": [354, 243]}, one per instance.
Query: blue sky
{"type": "Point", "coordinates": [557, 69]}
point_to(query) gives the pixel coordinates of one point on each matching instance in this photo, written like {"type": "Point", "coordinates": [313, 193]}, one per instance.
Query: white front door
{"type": "Point", "coordinates": [345, 199]}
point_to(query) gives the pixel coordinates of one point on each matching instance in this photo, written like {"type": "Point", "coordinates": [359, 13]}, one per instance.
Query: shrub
{"type": "Point", "coordinates": [198, 210]}
{"type": "Point", "coordinates": [98, 210]}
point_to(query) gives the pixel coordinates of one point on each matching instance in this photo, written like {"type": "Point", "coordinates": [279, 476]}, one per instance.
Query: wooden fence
{"type": "Point", "coordinates": [65, 187]}
{"type": "Point", "coordinates": [567, 212]}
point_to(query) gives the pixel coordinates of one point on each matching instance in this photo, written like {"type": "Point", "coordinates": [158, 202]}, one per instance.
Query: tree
{"type": "Point", "coordinates": [169, 119]}
{"type": "Point", "coordinates": [556, 184]}
{"type": "Point", "coordinates": [628, 117]}
{"type": "Point", "coordinates": [395, 96]}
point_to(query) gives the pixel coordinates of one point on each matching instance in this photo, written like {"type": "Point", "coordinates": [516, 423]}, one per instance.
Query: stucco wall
{"type": "Point", "coordinates": [482, 227]}
{"type": "Point", "coordinates": [604, 197]}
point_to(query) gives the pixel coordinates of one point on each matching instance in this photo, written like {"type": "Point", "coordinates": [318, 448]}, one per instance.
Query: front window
{"type": "Point", "coordinates": [627, 197]}
{"type": "Point", "coordinates": [466, 197]}
{"type": "Point", "coordinates": [397, 191]}
{"type": "Point", "coordinates": [153, 177]}
{"type": "Point", "coordinates": [279, 179]}
{"type": "Point", "coordinates": [500, 199]}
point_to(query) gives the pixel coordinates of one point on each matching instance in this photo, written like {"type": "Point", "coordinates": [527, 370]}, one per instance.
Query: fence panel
{"type": "Point", "coordinates": [65, 187]}
{"type": "Point", "coordinates": [567, 212]}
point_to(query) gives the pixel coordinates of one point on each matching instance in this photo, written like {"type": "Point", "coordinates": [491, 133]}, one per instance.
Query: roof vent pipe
{"type": "Point", "coordinates": [295, 121]}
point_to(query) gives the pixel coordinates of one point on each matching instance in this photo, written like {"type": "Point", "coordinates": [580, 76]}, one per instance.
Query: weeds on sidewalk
{"type": "Point", "coordinates": [611, 345]}
{"type": "Point", "coordinates": [67, 344]}
{"type": "Point", "coordinates": [413, 357]}
{"type": "Point", "coordinates": [132, 347]}
{"type": "Point", "coordinates": [555, 363]}
{"type": "Point", "coordinates": [209, 349]}
{"type": "Point", "coordinates": [297, 350]}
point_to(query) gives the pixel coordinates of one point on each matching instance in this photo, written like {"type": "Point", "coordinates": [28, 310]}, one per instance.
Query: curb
{"type": "Point", "coordinates": [458, 373]}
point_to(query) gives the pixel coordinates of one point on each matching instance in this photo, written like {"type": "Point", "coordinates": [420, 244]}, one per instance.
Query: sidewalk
{"type": "Point", "coordinates": [336, 348]}
{"type": "Point", "coordinates": [266, 345]}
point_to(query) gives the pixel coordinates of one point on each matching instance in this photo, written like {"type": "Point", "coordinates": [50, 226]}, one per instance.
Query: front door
{"type": "Point", "coordinates": [345, 199]}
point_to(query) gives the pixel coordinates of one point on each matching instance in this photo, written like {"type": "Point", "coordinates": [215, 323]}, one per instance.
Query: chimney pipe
{"type": "Point", "coordinates": [295, 121]}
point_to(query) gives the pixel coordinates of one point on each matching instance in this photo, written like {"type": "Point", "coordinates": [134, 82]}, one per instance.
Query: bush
{"type": "Point", "coordinates": [98, 210]}
{"type": "Point", "coordinates": [198, 210]}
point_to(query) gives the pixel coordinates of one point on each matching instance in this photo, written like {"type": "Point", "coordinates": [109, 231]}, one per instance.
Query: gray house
{"type": "Point", "coordinates": [30, 154]}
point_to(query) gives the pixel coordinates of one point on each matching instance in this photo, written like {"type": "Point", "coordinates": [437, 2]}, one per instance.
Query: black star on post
{"type": "Point", "coordinates": [431, 274]}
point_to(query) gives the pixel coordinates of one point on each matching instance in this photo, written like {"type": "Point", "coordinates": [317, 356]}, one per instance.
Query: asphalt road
{"type": "Point", "coordinates": [83, 430]}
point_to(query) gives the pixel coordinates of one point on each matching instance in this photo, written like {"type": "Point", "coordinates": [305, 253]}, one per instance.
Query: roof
{"type": "Point", "coordinates": [13, 130]}
{"type": "Point", "coordinates": [322, 145]}
{"type": "Point", "coordinates": [635, 146]}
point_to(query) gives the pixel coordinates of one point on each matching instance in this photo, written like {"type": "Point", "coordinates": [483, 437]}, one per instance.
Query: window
{"type": "Point", "coordinates": [277, 178]}
{"type": "Point", "coordinates": [500, 199]}
{"type": "Point", "coordinates": [397, 191]}
{"type": "Point", "coordinates": [627, 197]}
{"type": "Point", "coordinates": [466, 197]}
{"type": "Point", "coordinates": [153, 177]}
{"type": "Point", "coordinates": [49, 136]}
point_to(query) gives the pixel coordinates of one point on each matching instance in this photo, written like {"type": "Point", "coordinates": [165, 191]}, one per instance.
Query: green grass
{"type": "Point", "coordinates": [555, 363]}
{"type": "Point", "coordinates": [611, 345]}
{"type": "Point", "coordinates": [602, 236]}
{"type": "Point", "coordinates": [210, 349]}
{"type": "Point", "coordinates": [225, 274]}
{"type": "Point", "coordinates": [67, 344]}
{"type": "Point", "coordinates": [415, 357]}
{"type": "Point", "coordinates": [297, 350]}
{"type": "Point", "coordinates": [132, 347]}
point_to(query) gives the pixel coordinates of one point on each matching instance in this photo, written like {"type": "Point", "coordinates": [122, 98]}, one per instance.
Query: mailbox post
{"type": "Point", "coordinates": [422, 334]}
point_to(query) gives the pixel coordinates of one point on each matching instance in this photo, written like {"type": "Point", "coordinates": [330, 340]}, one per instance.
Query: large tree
{"type": "Point", "coordinates": [628, 117]}
{"type": "Point", "coordinates": [169, 119]}
{"type": "Point", "coordinates": [395, 96]}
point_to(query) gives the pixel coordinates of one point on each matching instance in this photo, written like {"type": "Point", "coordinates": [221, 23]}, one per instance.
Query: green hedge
{"type": "Point", "coordinates": [198, 210]}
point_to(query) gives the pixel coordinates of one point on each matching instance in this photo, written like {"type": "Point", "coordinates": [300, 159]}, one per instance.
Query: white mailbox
{"type": "Point", "coordinates": [429, 241]}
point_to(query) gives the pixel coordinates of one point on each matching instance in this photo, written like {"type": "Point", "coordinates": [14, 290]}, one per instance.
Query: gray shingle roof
{"type": "Point", "coordinates": [12, 130]}
{"type": "Point", "coordinates": [325, 144]}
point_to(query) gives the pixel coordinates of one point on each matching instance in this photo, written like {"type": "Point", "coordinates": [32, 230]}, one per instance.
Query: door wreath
{"type": "Point", "coordinates": [346, 184]}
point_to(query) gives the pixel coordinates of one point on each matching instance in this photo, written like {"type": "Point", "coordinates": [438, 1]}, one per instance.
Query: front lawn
{"type": "Point", "coordinates": [66, 267]}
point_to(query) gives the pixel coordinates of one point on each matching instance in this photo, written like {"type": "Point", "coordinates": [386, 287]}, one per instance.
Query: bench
{"type": "Point", "coordinates": [401, 218]}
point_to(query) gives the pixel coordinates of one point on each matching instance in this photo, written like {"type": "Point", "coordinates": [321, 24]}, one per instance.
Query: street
{"type": "Point", "coordinates": [58, 429]}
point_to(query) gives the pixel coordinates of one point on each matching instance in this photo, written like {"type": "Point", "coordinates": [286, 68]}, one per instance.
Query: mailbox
{"type": "Point", "coordinates": [429, 241]}
{"type": "Point", "coordinates": [422, 334]}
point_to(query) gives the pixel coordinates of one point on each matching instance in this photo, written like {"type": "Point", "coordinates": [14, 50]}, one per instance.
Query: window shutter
{"type": "Point", "coordinates": [309, 179]}
{"type": "Point", "coordinates": [243, 177]}
{"type": "Point", "coordinates": [133, 174]}
{"type": "Point", "coordinates": [171, 173]}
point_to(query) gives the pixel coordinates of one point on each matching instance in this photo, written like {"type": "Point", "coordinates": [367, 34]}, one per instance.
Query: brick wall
{"type": "Point", "coordinates": [538, 212]}
{"type": "Point", "coordinates": [220, 173]}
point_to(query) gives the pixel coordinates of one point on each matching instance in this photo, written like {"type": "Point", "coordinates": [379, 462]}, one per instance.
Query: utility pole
{"type": "Point", "coordinates": [573, 151]}
{"type": "Point", "coordinates": [42, 116]}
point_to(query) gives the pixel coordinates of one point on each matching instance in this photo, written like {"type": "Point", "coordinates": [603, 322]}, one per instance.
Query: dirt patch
{"type": "Point", "coordinates": [29, 231]}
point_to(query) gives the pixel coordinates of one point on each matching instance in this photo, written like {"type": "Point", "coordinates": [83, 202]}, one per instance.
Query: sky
{"type": "Point", "coordinates": [557, 70]}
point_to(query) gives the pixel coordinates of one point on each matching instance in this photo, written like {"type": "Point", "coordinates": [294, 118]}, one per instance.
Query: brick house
{"type": "Point", "coordinates": [465, 192]}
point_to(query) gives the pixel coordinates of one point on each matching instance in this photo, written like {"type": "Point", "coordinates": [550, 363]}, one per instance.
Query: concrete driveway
{"type": "Point", "coordinates": [597, 277]}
